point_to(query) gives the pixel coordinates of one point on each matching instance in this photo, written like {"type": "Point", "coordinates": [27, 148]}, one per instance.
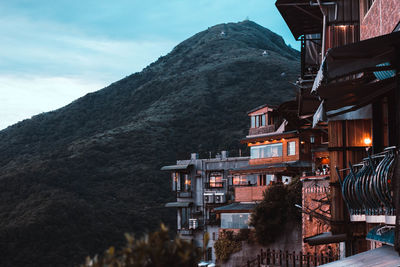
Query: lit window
{"type": "Point", "coordinates": [291, 148]}
{"type": "Point", "coordinates": [266, 151]}
{"type": "Point", "coordinates": [216, 180]}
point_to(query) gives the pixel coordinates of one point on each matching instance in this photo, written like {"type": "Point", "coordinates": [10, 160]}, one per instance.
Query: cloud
{"type": "Point", "coordinates": [26, 96]}
{"type": "Point", "coordinates": [44, 65]}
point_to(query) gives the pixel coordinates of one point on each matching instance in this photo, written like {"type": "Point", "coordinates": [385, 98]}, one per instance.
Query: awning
{"type": "Point", "coordinates": [384, 234]}
{"type": "Point", "coordinates": [300, 16]}
{"type": "Point", "coordinates": [236, 207]}
{"type": "Point", "coordinates": [176, 167]}
{"type": "Point", "coordinates": [384, 256]}
{"type": "Point", "coordinates": [364, 56]}
{"type": "Point", "coordinates": [325, 238]}
{"type": "Point", "coordinates": [178, 204]}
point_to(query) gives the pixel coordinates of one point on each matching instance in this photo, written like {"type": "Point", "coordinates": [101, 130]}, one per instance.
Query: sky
{"type": "Point", "coordinates": [53, 52]}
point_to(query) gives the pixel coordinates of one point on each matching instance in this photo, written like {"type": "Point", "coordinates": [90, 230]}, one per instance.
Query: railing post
{"type": "Point", "coordinates": [315, 259]}
{"type": "Point", "coordinates": [322, 259]}
{"type": "Point", "coordinates": [262, 256]}
{"type": "Point", "coordinates": [280, 257]}
{"type": "Point", "coordinates": [268, 256]}
{"type": "Point", "coordinates": [287, 258]}
{"type": "Point", "coordinates": [294, 258]}
{"type": "Point", "coordinates": [258, 260]}
{"type": "Point", "coordinates": [301, 259]}
{"type": "Point", "coordinates": [248, 263]}
{"type": "Point", "coordinates": [273, 256]}
{"type": "Point", "coordinates": [308, 259]}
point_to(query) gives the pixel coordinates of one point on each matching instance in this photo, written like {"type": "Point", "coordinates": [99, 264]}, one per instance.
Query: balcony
{"type": "Point", "coordinates": [262, 130]}
{"type": "Point", "coordinates": [214, 185]}
{"type": "Point", "coordinates": [182, 194]}
{"type": "Point", "coordinates": [249, 193]}
{"type": "Point", "coordinates": [367, 189]}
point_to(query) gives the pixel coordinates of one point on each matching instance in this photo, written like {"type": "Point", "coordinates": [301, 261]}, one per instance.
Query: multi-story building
{"type": "Point", "coordinates": [201, 185]}
{"type": "Point", "coordinates": [349, 83]}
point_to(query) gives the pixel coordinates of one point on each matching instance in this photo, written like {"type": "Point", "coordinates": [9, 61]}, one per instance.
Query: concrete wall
{"type": "Point", "coordinates": [290, 241]}
{"type": "Point", "coordinates": [382, 18]}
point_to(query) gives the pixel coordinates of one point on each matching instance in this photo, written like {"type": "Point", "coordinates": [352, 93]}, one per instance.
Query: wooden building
{"type": "Point", "coordinates": [355, 92]}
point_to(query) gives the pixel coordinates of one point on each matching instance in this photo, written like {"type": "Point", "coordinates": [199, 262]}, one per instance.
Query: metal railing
{"type": "Point", "coordinates": [289, 259]}
{"type": "Point", "coordinates": [367, 188]}
{"type": "Point", "coordinates": [216, 185]}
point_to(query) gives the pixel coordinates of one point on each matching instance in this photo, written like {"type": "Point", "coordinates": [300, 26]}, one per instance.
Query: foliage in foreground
{"type": "Point", "coordinates": [229, 243]}
{"type": "Point", "coordinates": [156, 249]}
{"type": "Point", "coordinates": [276, 210]}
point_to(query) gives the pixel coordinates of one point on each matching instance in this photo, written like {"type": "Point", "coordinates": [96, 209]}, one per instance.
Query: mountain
{"type": "Point", "coordinates": [72, 181]}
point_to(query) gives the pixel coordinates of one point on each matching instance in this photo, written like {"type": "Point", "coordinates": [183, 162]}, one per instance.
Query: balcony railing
{"type": "Point", "coordinates": [262, 130]}
{"type": "Point", "coordinates": [187, 194]}
{"type": "Point", "coordinates": [214, 185]}
{"type": "Point", "coordinates": [367, 189]}
{"type": "Point", "coordinates": [185, 231]}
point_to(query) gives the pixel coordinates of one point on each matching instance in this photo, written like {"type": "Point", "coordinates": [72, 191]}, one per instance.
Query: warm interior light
{"type": "Point", "coordinates": [367, 141]}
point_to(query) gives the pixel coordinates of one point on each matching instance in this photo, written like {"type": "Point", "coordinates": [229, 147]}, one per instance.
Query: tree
{"type": "Point", "coordinates": [156, 249]}
{"type": "Point", "coordinates": [270, 217]}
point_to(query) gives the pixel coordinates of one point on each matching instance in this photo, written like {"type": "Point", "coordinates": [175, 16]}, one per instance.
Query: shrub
{"type": "Point", "coordinates": [156, 249]}
{"type": "Point", "coordinates": [227, 244]}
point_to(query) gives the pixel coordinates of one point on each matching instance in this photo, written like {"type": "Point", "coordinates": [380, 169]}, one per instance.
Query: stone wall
{"type": "Point", "coordinates": [382, 18]}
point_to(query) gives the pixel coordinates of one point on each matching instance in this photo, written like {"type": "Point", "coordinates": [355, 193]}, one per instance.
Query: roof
{"type": "Point", "coordinates": [176, 167]}
{"type": "Point", "coordinates": [274, 167]}
{"type": "Point", "coordinates": [262, 106]}
{"type": "Point", "coordinates": [300, 16]}
{"type": "Point", "coordinates": [367, 57]}
{"type": "Point", "coordinates": [236, 207]}
{"type": "Point", "coordinates": [325, 238]}
{"type": "Point", "coordinates": [384, 256]}
{"type": "Point", "coordinates": [178, 204]}
{"type": "Point", "coordinates": [273, 135]}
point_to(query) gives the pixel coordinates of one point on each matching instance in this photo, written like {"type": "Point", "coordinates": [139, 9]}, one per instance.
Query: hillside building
{"type": "Point", "coordinates": [349, 83]}
{"type": "Point", "coordinates": [201, 186]}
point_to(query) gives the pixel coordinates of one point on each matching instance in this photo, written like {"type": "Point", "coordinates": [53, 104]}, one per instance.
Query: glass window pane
{"type": "Point", "coordinates": [291, 148]}
{"type": "Point", "coordinates": [263, 120]}
{"type": "Point", "coordinates": [253, 122]}
{"type": "Point", "coordinates": [257, 121]}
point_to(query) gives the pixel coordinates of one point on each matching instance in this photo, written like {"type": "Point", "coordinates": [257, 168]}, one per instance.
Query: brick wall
{"type": "Point", "coordinates": [249, 193]}
{"type": "Point", "coordinates": [382, 18]}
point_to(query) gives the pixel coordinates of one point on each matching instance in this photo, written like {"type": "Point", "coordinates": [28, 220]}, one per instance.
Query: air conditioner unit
{"type": "Point", "coordinates": [220, 198]}
{"type": "Point", "coordinates": [193, 223]}
{"type": "Point", "coordinates": [208, 197]}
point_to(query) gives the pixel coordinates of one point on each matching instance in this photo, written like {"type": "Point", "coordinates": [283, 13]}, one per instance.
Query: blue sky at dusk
{"type": "Point", "coordinates": [53, 52]}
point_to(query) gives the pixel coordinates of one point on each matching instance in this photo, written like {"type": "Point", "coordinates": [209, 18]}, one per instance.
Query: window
{"type": "Point", "coordinates": [181, 182]}
{"type": "Point", "coordinates": [258, 121]}
{"type": "Point", "coordinates": [266, 151]}
{"type": "Point", "coordinates": [216, 180]}
{"type": "Point", "coordinates": [367, 5]}
{"type": "Point", "coordinates": [235, 220]}
{"type": "Point", "coordinates": [291, 148]}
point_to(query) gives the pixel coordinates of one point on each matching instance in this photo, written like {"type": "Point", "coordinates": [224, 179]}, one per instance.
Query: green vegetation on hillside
{"type": "Point", "coordinates": [72, 181]}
